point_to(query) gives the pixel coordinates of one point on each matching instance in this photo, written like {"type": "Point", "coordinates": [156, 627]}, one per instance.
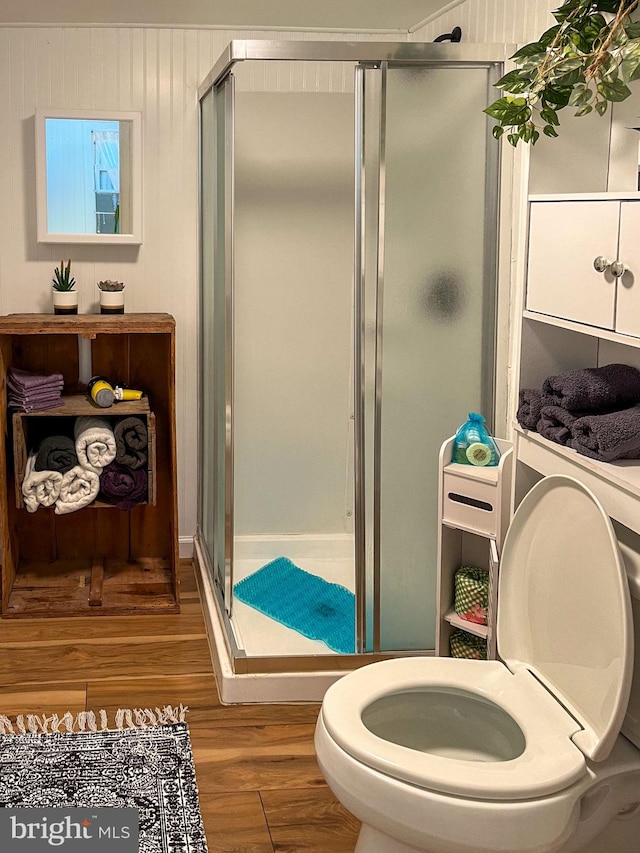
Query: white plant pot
{"type": "Point", "coordinates": [112, 302]}
{"type": "Point", "coordinates": [65, 301]}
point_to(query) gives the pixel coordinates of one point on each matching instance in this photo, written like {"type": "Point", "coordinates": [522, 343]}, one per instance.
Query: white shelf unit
{"type": "Point", "coordinates": [566, 234]}
{"type": "Point", "coordinates": [474, 509]}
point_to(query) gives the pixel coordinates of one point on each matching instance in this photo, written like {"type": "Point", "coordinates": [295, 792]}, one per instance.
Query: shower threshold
{"type": "Point", "coordinates": [246, 678]}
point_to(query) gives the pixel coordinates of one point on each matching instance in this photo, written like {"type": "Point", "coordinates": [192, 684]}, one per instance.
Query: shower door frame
{"type": "Point", "coordinates": [365, 56]}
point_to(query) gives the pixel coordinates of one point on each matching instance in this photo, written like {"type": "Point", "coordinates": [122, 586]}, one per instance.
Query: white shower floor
{"type": "Point", "coordinates": [259, 635]}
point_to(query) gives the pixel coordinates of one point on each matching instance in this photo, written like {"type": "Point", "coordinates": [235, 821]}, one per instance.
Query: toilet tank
{"type": "Point", "coordinates": [631, 555]}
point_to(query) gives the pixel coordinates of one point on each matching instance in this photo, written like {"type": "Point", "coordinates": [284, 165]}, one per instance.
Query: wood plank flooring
{"type": "Point", "coordinates": [261, 790]}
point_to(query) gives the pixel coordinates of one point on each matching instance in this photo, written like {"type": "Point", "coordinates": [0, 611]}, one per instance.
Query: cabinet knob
{"type": "Point", "coordinates": [600, 263]}
{"type": "Point", "coordinates": [618, 269]}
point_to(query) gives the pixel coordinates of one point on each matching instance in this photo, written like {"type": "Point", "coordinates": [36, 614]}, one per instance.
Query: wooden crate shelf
{"type": "Point", "coordinates": [73, 406]}
{"type": "Point", "coordinates": [99, 560]}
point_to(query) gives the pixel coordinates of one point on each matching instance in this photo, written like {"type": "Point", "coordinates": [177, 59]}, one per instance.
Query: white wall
{"type": "Point", "coordinates": [156, 71]}
{"type": "Point", "coordinates": [493, 21]}
{"type": "Point", "coordinates": [592, 153]}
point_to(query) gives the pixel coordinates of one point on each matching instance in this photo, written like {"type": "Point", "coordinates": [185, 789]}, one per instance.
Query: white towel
{"type": "Point", "coordinates": [78, 488]}
{"type": "Point", "coordinates": [39, 488]}
{"type": "Point", "coordinates": [95, 444]}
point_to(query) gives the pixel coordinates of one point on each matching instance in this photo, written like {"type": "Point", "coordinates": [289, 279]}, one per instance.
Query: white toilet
{"type": "Point", "coordinates": [522, 756]}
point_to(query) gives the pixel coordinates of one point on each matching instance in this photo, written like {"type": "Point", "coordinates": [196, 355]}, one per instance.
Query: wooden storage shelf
{"type": "Point", "coordinates": [104, 587]}
{"type": "Point", "coordinates": [91, 562]}
{"type": "Point", "coordinates": [73, 406]}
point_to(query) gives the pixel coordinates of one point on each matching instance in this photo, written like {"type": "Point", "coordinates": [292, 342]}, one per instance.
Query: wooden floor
{"type": "Point", "coordinates": [260, 787]}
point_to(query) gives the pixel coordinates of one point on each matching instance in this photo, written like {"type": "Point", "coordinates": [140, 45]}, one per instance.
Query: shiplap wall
{"type": "Point", "coordinates": [493, 21]}
{"type": "Point", "coordinates": [156, 71]}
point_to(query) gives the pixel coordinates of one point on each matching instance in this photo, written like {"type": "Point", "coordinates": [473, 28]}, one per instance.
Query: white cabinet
{"type": "Point", "coordinates": [568, 239]}
{"type": "Point", "coordinates": [576, 317]}
{"type": "Point", "coordinates": [474, 507]}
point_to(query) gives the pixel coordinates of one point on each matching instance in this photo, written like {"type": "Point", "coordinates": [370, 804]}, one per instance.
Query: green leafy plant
{"type": "Point", "coordinates": [62, 278]}
{"type": "Point", "coordinates": [111, 286]}
{"type": "Point", "coordinates": [584, 61]}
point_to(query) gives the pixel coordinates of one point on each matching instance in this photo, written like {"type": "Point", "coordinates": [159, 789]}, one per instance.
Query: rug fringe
{"type": "Point", "coordinates": [86, 721]}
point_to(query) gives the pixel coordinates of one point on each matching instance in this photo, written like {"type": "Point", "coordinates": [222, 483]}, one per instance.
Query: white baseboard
{"type": "Point", "coordinates": [336, 546]}
{"type": "Point", "coordinates": [185, 547]}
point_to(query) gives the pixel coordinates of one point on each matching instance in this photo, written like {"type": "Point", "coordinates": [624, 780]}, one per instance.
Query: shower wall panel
{"type": "Point", "coordinates": [294, 245]}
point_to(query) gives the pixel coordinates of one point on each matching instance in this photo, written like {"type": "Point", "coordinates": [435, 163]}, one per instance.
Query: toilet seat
{"type": "Point", "coordinates": [550, 760]}
{"type": "Point", "coordinates": [564, 631]}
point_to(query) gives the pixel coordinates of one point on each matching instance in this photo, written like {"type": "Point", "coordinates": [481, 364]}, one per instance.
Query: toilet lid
{"type": "Point", "coordinates": [564, 611]}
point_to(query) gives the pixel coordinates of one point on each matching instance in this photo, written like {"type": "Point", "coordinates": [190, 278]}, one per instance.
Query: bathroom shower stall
{"type": "Point", "coordinates": [348, 323]}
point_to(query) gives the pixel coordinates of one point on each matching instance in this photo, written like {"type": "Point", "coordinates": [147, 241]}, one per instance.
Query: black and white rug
{"type": "Point", "coordinates": [146, 763]}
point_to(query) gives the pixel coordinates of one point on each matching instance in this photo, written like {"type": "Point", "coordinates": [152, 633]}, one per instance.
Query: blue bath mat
{"type": "Point", "coordinates": [310, 605]}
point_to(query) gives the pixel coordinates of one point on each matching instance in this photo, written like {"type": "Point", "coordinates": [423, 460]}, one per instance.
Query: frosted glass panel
{"type": "Point", "coordinates": [293, 314]}
{"type": "Point", "coordinates": [220, 376]}
{"type": "Point", "coordinates": [437, 321]}
{"type": "Point", "coordinates": [214, 216]}
{"type": "Point", "coordinates": [207, 473]}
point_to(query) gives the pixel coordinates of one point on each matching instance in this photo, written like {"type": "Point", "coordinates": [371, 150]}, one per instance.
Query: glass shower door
{"type": "Point", "coordinates": [432, 299]}
{"type": "Point", "coordinates": [216, 476]}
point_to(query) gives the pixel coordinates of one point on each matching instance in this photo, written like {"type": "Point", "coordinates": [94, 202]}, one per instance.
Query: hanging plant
{"type": "Point", "coordinates": [585, 61]}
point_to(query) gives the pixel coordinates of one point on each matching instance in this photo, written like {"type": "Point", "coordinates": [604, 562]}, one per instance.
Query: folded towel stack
{"type": "Point", "coordinates": [596, 411]}
{"type": "Point", "coordinates": [529, 406]}
{"type": "Point", "coordinates": [33, 392]}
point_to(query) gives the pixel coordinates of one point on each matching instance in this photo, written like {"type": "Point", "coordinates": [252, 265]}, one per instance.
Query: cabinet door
{"type": "Point", "coordinates": [564, 239]}
{"type": "Point", "coordinates": [628, 302]}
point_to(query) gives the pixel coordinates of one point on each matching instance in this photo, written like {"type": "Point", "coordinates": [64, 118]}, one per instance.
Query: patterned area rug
{"type": "Point", "coordinates": [145, 763]}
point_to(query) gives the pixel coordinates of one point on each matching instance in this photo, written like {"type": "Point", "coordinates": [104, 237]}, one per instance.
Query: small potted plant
{"type": "Point", "coordinates": [111, 296]}
{"type": "Point", "coordinates": [65, 298]}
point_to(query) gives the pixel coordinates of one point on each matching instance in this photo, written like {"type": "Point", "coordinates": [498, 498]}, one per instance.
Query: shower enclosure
{"type": "Point", "coordinates": [349, 302]}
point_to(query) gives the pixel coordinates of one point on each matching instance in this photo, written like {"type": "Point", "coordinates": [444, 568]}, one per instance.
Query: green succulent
{"type": "Point", "coordinates": [111, 286]}
{"type": "Point", "coordinates": [63, 279]}
{"type": "Point", "coordinates": [583, 62]}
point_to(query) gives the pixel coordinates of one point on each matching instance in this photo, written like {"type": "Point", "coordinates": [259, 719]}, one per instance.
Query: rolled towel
{"type": "Point", "coordinates": [79, 487]}
{"type": "Point", "coordinates": [123, 486]}
{"type": "Point", "coordinates": [131, 442]}
{"type": "Point", "coordinates": [27, 381]}
{"type": "Point", "coordinates": [609, 387]}
{"type": "Point", "coordinates": [615, 435]}
{"type": "Point", "coordinates": [555, 424]}
{"type": "Point", "coordinates": [39, 488]}
{"type": "Point", "coordinates": [95, 444]}
{"type": "Point", "coordinates": [530, 403]}
{"type": "Point", "coordinates": [56, 453]}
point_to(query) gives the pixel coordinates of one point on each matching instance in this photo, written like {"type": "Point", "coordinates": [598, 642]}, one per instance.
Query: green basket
{"type": "Point", "coordinates": [472, 594]}
{"type": "Point", "coordinates": [465, 645]}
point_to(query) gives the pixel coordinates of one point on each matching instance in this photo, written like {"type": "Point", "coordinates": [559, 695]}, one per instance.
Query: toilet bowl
{"type": "Point", "coordinates": [522, 755]}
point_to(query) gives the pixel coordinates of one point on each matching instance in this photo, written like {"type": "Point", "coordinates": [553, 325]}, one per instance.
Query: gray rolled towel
{"type": "Point", "coordinates": [615, 435]}
{"type": "Point", "coordinates": [530, 402]}
{"type": "Point", "coordinates": [131, 442]}
{"type": "Point", "coordinates": [592, 388]}
{"type": "Point", "coordinates": [56, 453]}
{"type": "Point", "coordinates": [555, 424]}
